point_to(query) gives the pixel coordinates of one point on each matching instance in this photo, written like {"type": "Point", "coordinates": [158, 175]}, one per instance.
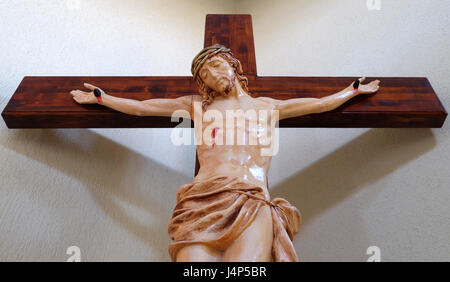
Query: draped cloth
{"type": "Point", "coordinates": [216, 211]}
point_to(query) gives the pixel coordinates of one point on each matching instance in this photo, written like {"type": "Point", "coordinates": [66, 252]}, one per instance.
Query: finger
{"type": "Point", "coordinates": [373, 89]}
{"type": "Point", "coordinates": [375, 83]}
{"type": "Point", "coordinates": [75, 93]}
{"type": "Point", "coordinates": [89, 86]}
{"type": "Point", "coordinates": [79, 92]}
{"type": "Point", "coordinates": [362, 79]}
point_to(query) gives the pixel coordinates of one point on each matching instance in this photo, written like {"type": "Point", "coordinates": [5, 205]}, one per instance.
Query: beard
{"type": "Point", "coordinates": [208, 96]}
{"type": "Point", "coordinates": [229, 86]}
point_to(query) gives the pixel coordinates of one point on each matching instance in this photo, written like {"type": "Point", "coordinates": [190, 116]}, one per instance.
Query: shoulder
{"type": "Point", "coordinates": [191, 101]}
{"type": "Point", "coordinates": [197, 98]}
{"type": "Point", "coordinates": [187, 101]}
{"type": "Point", "coordinates": [189, 98]}
{"type": "Point", "coordinates": [268, 101]}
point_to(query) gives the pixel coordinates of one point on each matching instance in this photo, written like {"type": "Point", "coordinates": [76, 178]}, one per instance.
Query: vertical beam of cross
{"type": "Point", "coordinates": [44, 102]}
{"type": "Point", "coordinates": [236, 33]}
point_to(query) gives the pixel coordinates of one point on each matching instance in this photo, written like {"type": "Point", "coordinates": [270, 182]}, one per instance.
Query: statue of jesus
{"type": "Point", "coordinates": [226, 213]}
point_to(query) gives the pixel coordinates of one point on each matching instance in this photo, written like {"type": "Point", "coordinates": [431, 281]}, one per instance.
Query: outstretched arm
{"type": "Point", "coordinates": [152, 107]}
{"type": "Point", "coordinates": [304, 106]}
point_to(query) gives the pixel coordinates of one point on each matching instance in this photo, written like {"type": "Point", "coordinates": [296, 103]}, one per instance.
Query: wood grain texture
{"type": "Point", "coordinates": [400, 102]}
{"type": "Point", "coordinates": [45, 102]}
{"type": "Point", "coordinates": [236, 33]}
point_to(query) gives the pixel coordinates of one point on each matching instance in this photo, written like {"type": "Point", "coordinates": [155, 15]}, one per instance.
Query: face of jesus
{"type": "Point", "coordinates": [218, 75]}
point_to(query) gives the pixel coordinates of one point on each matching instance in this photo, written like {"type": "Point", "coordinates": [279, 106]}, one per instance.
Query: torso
{"type": "Point", "coordinates": [245, 160]}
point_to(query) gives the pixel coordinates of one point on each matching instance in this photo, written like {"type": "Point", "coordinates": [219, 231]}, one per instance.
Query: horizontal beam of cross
{"type": "Point", "coordinates": [45, 102]}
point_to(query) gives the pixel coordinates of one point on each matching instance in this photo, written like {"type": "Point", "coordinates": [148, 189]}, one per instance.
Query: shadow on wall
{"type": "Point", "coordinates": [366, 159]}
{"type": "Point", "coordinates": [87, 162]}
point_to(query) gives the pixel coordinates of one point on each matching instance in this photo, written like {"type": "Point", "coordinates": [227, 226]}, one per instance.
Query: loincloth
{"type": "Point", "coordinates": [216, 211]}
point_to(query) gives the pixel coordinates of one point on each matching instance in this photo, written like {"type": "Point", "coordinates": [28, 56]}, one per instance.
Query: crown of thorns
{"type": "Point", "coordinates": [206, 53]}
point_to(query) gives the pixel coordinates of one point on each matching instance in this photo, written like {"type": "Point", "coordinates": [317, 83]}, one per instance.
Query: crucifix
{"type": "Point", "coordinates": [226, 213]}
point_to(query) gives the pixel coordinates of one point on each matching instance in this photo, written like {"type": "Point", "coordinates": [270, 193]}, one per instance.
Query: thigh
{"type": "Point", "coordinates": [255, 243]}
{"type": "Point", "coordinates": [198, 253]}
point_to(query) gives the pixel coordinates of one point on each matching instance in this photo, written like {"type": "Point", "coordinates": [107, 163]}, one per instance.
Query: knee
{"type": "Point", "coordinates": [198, 253]}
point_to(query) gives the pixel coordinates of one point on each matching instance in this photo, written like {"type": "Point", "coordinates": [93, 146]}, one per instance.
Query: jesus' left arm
{"type": "Point", "coordinates": [304, 106]}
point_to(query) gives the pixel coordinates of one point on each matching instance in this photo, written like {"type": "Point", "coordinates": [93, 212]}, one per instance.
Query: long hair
{"type": "Point", "coordinates": [207, 93]}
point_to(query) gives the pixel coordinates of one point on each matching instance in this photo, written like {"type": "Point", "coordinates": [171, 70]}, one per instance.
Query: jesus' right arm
{"type": "Point", "coordinates": [151, 107]}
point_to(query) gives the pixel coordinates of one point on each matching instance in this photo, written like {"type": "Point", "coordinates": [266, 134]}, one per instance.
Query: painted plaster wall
{"type": "Point", "coordinates": [111, 192]}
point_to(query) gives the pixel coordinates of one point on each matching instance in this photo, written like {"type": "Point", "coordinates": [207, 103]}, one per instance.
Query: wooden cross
{"type": "Point", "coordinates": [44, 102]}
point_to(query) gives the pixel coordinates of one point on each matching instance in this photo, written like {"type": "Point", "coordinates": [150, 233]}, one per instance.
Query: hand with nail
{"type": "Point", "coordinates": [86, 97]}
{"type": "Point", "coordinates": [369, 88]}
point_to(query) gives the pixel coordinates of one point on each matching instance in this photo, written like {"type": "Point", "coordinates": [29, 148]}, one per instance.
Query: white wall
{"type": "Point", "coordinates": [111, 192]}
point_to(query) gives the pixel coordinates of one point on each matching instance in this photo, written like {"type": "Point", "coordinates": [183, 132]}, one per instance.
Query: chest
{"type": "Point", "coordinates": [231, 122]}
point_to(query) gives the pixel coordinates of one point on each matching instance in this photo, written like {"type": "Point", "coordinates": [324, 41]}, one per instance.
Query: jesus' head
{"type": "Point", "coordinates": [215, 70]}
